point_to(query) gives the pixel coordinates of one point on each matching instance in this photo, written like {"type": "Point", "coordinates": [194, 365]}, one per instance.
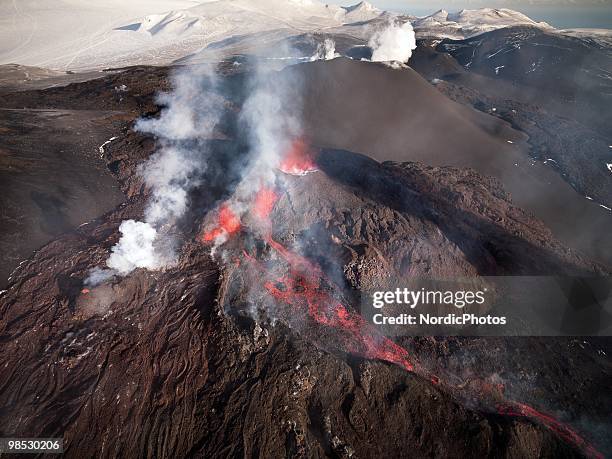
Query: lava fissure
{"type": "Point", "coordinates": [305, 287]}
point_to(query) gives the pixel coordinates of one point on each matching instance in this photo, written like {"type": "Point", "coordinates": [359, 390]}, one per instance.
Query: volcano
{"type": "Point", "coordinates": [251, 342]}
{"type": "Point", "coordinates": [415, 122]}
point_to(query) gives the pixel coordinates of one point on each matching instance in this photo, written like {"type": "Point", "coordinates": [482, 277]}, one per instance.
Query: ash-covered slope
{"type": "Point", "coordinates": [570, 74]}
{"type": "Point", "coordinates": [393, 115]}
{"type": "Point", "coordinates": [560, 104]}
{"type": "Point", "coordinates": [52, 177]}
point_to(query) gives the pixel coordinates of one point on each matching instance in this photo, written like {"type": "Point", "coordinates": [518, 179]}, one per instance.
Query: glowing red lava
{"type": "Point", "coordinates": [304, 287]}
{"type": "Point", "coordinates": [228, 223]}
{"type": "Point", "coordinates": [307, 289]}
{"type": "Point", "coordinates": [299, 160]}
{"type": "Point", "coordinates": [517, 409]}
{"type": "Point", "coordinates": [264, 202]}
{"type": "Point", "coordinates": [85, 291]}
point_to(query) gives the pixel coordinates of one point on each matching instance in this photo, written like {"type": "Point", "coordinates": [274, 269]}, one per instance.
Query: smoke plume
{"type": "Point", "coordinates": [135, 248]}
{"type": "Point", "coordinates": [394, 43]}
{"type": "Point", "coordinates": [271, 118]}
{"type": "Point", "coordinates": [192, 110]}
{"type": "Point", "coordinates": [325, 51]}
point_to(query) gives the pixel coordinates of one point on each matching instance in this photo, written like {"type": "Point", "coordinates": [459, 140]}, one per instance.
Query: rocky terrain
{"type": "Point", "coordinates": [166, 364]}
{"type": "Point", "coordinates": [257, 348]}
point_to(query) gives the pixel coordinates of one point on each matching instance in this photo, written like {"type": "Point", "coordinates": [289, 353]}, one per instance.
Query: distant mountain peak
{"type": "Point", "coordinates": [440, 14]}
{"type": "Point", "coordinates": [467, 23]}
{"type": "Point", "coordinates": [361, 6]}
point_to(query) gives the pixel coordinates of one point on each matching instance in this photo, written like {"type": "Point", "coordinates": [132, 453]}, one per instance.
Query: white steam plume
{"type": "Point", "coordinates": [394, 43]}
{"type": "Point", "coordinates": [135, 248]}
{"type": "Point", "coordinates": [325, 51]}
{"type": "Point", "coordinates": [271, 117]}
{"type": "Point", "coordinates": [191, 113]}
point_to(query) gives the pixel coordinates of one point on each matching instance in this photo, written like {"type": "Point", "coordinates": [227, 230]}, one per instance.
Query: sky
{"type": "Point", "coordinates": [558, 13]}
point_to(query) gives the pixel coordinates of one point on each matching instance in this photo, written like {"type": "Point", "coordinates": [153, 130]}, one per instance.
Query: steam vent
{"type": "Point", "coordinates": [291, 229]}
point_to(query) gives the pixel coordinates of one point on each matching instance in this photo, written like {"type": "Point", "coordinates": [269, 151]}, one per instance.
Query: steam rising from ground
{"type": "Point", "coordinates": [270, 116]}
{"type": "Point", "coordinates": [135, 248]}
{"type": "Point", "coordinates": [325, 51]}
{"type": "Point", "coordinates": [394, 43]}
{"type": "Point", "coordinates": [191, 113]}
{"type": "Point", "coordinates": [269, 119]}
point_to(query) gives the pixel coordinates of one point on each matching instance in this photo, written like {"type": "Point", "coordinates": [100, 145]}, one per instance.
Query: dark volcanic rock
{"type": "Point", "coordinates": [552, 87]}
{"type": "Point", "coordinates": [393, 115]}
{"type": "Point", "coordinates": [153, 365]}
{"type": "Point", "coordinates": [571, 73]}
{"type": "Point", "coordinates": [52, 177]}
{"type": "Point", "coordinates": [199, 360]}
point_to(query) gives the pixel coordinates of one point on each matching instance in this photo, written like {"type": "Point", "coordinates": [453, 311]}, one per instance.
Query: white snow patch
{"type": "Point", "coordinates": [609, 166]}
{"type": "Point", "coordinates": [101, 147]}
{"type": "Point", "coordinates": [605, 207]}
{"type": "Point", "coordinates": [85, 34]}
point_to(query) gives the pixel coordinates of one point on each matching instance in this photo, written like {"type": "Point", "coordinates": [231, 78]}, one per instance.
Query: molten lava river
{"type": "Point", "coordinates": [304, 293]}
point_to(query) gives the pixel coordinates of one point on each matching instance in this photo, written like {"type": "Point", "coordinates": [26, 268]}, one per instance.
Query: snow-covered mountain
{"type": "Point", "coordinates": [468, 23]}
{"type": "Point", "coordinates": [80, 34]}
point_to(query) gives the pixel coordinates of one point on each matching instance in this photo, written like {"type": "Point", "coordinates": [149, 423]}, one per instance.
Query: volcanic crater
{"type": "Point", "coordinates": [252, 344]}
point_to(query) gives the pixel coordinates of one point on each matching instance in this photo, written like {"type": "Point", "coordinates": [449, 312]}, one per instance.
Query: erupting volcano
{"type": "Point", "coordinates": [224, 304]}
{"type": "Point", "coordinates": [315, 301]}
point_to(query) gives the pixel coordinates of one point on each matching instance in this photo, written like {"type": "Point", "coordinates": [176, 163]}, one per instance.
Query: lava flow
{"type": "Point", "coordinates": [516, 409]}
{"type": "Point", "coordinates": [305, 288]}
{"type": "Point", "coordinates": [228, 223]}
{"type": "Point", "coordinates": [264, 203]}
{"type": "Point", "coordinates": [299, 160]}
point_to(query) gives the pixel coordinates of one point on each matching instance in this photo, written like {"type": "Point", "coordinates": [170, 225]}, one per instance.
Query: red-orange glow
{"type": "Point", "coordinates": [299, 160]}
{"type": "Point", "coordinates": [521, 410]}
{"type": "Point", "coordinates": [228, 223]}
{"type": "Point", "coordinates": [304, 288]}
{"type": "Point", "coordinates": [264, 202]}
